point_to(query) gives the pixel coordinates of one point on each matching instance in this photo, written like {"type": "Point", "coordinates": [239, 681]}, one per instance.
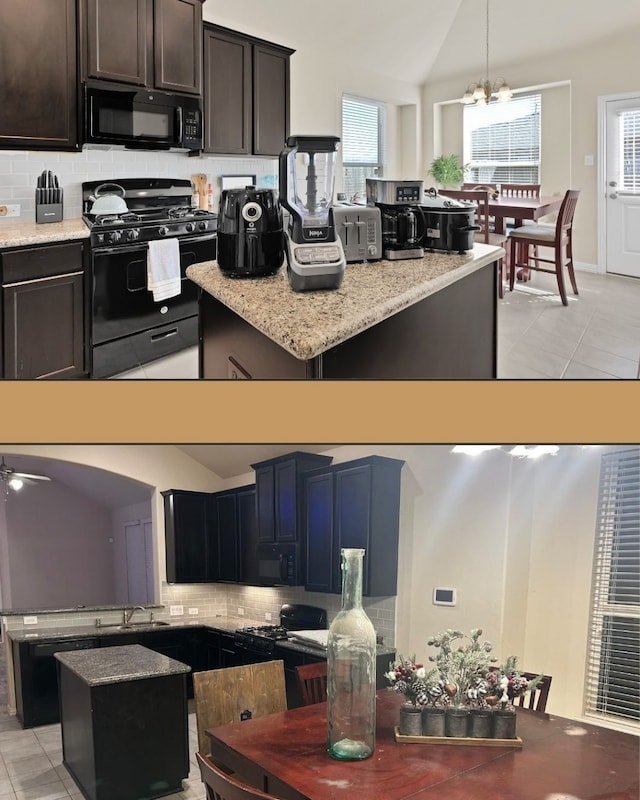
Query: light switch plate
{"type": "Point", "coordinates": [267, 616]}
{"type": "Point", "coordinates": [10, 210]}
{"type": "Point", "coordinates": [30, 620]}
{"type": "Point", "coordinates": [176, 611]}
{"type": "Point", "coordinates": [240, 611]}
{"type": "Point", "coordinates": [193, 612]}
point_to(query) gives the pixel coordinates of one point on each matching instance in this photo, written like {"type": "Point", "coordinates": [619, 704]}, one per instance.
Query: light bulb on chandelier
{"type": "Point", "coordinates": [483, 92]}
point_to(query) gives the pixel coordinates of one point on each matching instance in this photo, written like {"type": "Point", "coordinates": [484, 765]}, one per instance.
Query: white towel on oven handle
{"type": "Point", "coordinates": [163, 269]}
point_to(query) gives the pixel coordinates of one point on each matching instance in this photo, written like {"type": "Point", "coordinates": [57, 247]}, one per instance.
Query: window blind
{"type": "Point", "coordinates": [630, 151]}
{"type": "Point", "coordinates": [362, 144]}
{"type": "Point", "coordinates": [612, 688]}
{"type": "Point", "coordinates": [502, 141]}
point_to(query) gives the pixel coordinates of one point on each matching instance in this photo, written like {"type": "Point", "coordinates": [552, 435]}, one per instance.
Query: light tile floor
{"type": "Point", "coordinates": [31, 764]}
{"type": "Point", "coordinates": [595, 337]}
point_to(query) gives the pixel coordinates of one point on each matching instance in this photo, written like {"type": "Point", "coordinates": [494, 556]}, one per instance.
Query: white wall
{"type": "Point", "coordinates": [119, 518]}
{"type": "Point", "coordinates": [59, 549]}
{"type": "Point", "coordinates": [604, 67]}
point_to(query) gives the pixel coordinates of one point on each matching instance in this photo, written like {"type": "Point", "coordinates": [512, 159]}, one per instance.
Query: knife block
{"type": "Point", "coordinates": [48, 212]}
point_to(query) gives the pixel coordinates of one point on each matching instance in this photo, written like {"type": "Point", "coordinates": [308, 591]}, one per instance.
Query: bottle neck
{"type": "Point", "coordinates": [352, 579]}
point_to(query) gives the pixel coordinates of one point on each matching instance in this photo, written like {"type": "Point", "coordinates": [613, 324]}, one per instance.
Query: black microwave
{"type": "Point", "coordinates": [279, 565]}
{"type": "Point", "coordinates": [141, 118]}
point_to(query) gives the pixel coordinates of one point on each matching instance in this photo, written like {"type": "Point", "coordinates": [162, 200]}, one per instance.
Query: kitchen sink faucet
{"type": "Point", "coordinates": [126, 617]}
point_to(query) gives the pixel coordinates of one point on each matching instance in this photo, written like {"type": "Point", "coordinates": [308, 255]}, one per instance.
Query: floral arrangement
{"type": "Point", "coordinates": [408, 677]}
{"type": "Point", "coordinates": [463, 675]}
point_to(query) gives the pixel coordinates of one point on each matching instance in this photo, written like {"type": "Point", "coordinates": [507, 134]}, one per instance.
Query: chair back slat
{"type": "Point", "coordinates": [567, 210]}
{"type": "Point", "coordinates": [222, 786]}
{"type": "Point", "coordinates": [520, 189]}
{"type": "Point", "coordinates": [312, 682]}
{"type": "Point", "coordinates": [223, 695]}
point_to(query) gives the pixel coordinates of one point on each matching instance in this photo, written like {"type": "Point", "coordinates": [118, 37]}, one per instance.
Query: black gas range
{"type": "Point", "coordinates": [261, 640]}
{"type": "Point", "coordinates": [128, 326]}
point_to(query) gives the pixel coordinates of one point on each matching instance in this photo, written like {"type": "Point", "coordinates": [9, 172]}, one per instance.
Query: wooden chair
{"type": "Point", "coordinates": [485, 234]}
{"type": "Point", "coordinates": [482, 187]}
{"type": "Point", "coordinates": [225, 695]}
{"type": "Point", "coordinates": [536, 699]}
{"type": "Point", "coordinates": [559, 237]}
{"type": "Point", "coordinates": [520, 190]}
{"type": "Point", "coordinates": [312, 682]}
{"type": "Point", "coordinates": [221, 786]}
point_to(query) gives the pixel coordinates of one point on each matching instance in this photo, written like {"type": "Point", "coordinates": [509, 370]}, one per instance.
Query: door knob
{"type": "Point", "coordinates": [613, 196]}
{"type": "Point", "coordinates": [613, 183]}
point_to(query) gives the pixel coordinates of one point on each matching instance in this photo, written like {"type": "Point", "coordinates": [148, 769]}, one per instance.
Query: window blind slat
{"type": "Point", "coordinates": [612, 685]}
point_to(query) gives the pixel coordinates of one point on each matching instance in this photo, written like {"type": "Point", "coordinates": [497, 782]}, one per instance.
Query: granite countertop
{"type": "Point", "coordinates": [224, 624]}
{"type": "Point", "coordinates": [306, 324]}
{"type": "Point", "coordinates": [23, 233]}
{"type": "Point", "coordinates": [130, 662]}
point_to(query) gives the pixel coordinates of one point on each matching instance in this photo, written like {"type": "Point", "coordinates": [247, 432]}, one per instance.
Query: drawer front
{"type": "Point", "coordinates": [30, 263]}
{"type": "Point", "coordinates": [132, 351]}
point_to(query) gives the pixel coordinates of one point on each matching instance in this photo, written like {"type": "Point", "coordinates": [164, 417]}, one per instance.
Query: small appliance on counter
{"type": "Point", "coordinates": [360, 230]}
{"type": "Point", "coordinates": [250, 233]}
{"type": "Point", "coordinates": [315, 257]}
{"type": "Point", "coordinates": [450, 223]}
{"type": "Point", "coordinates": [403, 222]}
{"type": "Point", "coordinates": [48, 198]}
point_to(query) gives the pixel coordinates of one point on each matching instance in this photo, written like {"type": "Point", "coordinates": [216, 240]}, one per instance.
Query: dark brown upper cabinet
{"type": "Point", "coordinates": [38, 89]}
{"type": "Point", "coordinates": [246, 94]}
{"type": "Point", "coordinates": [152, 43]}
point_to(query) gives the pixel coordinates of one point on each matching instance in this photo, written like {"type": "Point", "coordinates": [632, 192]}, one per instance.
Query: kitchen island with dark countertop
{"type": "Point", "coordinates": [428, 318]}
{"type": "Point", "coordinates": [123, 713]}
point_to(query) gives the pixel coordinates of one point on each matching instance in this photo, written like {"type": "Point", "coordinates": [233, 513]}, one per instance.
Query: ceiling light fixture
{"type": "Point", "coordinates": [10, 478]}
{"type": "Point", "coordinates": [483, 92]}
{"type": "Point", "coordinates": [16, 483]}
{"type": "Point", "coordinates": [474, 449]}
{"type": "Point", "coordinates": [518, 451]}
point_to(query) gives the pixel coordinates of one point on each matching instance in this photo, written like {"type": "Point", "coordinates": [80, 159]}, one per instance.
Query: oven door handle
{"type": "Point", "coordinates": [206, 237]}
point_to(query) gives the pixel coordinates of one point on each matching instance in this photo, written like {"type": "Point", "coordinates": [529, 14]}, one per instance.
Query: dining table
{"type": "Point", "coordinates": [285, 755]}
{"type": "Point", "coordinates": [521, 209]}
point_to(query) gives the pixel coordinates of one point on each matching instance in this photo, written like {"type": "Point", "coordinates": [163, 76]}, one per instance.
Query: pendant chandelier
{"type": "Point", "coordinates": [483, 92]}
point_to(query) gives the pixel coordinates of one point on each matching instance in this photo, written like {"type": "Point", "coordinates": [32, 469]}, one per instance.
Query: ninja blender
{"type": "Point", "coordinates": [315, 256]}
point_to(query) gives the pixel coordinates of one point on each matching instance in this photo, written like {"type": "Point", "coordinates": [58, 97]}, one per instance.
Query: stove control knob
{"type": "Point", "coordinates": [190, 227]}
{"type": "Point", "coordinates": [163, 230]}
{"type": "Point", "coordinates": [115, 236]}
{"type": "Point", "coordinates": [202, 226]}
{"type": "Point", "coordinates": [133, 234]}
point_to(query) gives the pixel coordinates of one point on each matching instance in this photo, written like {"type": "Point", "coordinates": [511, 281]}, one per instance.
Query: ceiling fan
{"type": "Point", "coordinates": [13, 479]}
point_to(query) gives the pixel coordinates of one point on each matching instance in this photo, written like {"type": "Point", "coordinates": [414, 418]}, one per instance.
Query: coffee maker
{"type": "Point", "coordinates": [250, 235]}
{"type": "Point", "coordinates": [315, 256]}
{"type": "Point", "coordinates": [403, 221]}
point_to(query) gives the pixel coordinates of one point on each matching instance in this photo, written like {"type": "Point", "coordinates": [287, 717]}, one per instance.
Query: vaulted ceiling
{"type": "Point", "coordinates": [426, 40]}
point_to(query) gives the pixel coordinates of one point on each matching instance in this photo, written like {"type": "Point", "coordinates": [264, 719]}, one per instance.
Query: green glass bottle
{"type": "Point", "coordinates": [351, 670]}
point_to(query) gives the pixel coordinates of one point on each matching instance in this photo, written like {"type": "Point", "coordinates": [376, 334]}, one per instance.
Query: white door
{"type": "Point", "coordinates": [138, 561]}
{"type": "Point", "coordinates": [622, 175]}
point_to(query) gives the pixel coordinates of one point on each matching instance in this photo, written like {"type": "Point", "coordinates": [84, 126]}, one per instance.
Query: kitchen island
{"type": "Point", "coordinates": [123, 712]}
{"type": "Point", "coordinates": [428, 318]}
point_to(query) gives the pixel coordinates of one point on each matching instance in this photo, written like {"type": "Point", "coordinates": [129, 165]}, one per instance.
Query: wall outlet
{"type": "Point", "coordinates": [10, 210]}
{"type": "Point", "coordinates": [194, 612]}
{"type": "Point", "coordinates": [267, 616]}
{"type": "Point", "coordinates": [176, 611]}
{"type": "Point", "coordinates": [30, 620]}
{"type": "Point", "coordinates": [240, 611]}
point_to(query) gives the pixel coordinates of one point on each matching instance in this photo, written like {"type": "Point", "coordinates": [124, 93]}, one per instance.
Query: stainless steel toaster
{"type": "Point", "coordinates": [360, 230]}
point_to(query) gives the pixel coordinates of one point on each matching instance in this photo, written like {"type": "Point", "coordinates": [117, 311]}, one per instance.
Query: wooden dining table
{"type": "Point", "coordinates": [560, 759]}
{"type": "Point", "coordinates": [521, 209]}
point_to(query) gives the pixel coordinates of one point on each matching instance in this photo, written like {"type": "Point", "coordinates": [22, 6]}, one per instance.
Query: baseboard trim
{"type": "Point", "coordinates": [583, 266]}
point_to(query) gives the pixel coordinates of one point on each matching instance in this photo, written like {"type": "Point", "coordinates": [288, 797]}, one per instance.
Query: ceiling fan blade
{"type": "Point", "coordinates": [29, 476]}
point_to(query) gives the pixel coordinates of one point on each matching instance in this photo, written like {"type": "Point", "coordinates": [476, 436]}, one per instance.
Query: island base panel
{"type": "Point", "coordinates": [449, 335]}
{"type": "Point", "coordinates": [127, 740]}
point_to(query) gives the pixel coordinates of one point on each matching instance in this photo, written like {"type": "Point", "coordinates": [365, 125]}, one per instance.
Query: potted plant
{"type": "Point", "coordinates": [447, 171]}
{"type": "Point", "coordinates": [503, 685]}
{"type": "Point", "coordinates": [409, 678]}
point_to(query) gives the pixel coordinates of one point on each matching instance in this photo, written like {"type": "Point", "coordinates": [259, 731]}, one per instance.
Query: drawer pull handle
{"type": "Point", "coordinates": [165, 335]}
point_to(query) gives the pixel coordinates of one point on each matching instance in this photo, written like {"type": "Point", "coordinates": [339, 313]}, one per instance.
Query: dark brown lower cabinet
{"type": "Point", "coordinates": [43, 310]}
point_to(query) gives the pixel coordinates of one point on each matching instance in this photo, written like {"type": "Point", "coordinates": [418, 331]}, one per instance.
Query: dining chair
{"type": "Point", "coordinates": [312, 682]}
{"type": "Point", "coordinates": [482, 187]}
{"type": "Point", "coordinates": [485, 235]}
{"type": "Point", "coordinates": [535, 699]}
{"type": "Point", "coordinates": [236, 693]}
{"type": "Point", "coordinates": [558, 237]}
{"type": "Point", "coordinates": [520, 190]}
{"type": "Point", "coordinates": [222, 786]}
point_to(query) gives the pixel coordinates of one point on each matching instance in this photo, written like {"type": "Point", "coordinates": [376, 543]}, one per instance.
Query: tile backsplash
{"type": "Point", "coordinates": [19, 171]}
